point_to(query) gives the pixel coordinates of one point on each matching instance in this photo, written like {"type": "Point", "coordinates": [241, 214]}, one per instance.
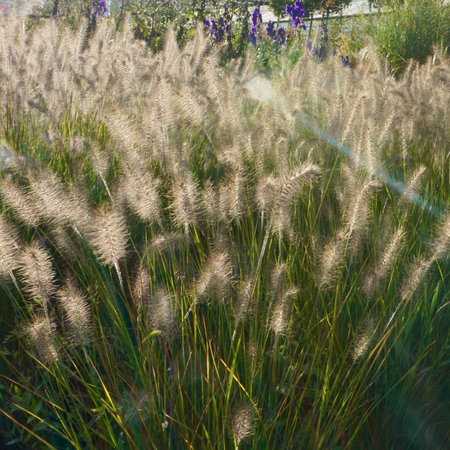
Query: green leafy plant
{"type": "Point", "coordinates": [411, 30]}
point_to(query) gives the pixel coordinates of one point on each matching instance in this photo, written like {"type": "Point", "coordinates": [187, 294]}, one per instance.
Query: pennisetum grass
{"type": "Point", "coordinates": [215, 206]}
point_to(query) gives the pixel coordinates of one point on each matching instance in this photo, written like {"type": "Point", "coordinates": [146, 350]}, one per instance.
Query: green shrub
{"type": "Point", "coordinates": [410, 30]}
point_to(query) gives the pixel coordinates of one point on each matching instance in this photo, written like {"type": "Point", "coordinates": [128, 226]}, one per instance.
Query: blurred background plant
{"type": "Point", "coordinates": [411, 29]}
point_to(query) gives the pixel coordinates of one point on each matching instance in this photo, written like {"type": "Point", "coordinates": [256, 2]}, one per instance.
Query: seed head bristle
{"type": "Point", "coordinates": [413, 186]}
{"type": "Point", "coordinates": [77, 314]}
{"type": "Point", "coordinates": [37, 272]}
{"type": "Point", "coordinates": [216, 279]}
{"type": "Point", "coordinates": [277, 277]}
{"type": "Point", "coordinates": [292, 183]}
{"type": "Point", "coordinates": [364, 339]}
{"type": "Point", "coordinates": [19, 200]}
{"type": "Point", "coordinates": [417, 273]}
{"type": "Point", "coordinates": [109, 236]}
{"type": "Point", "coordinates": [141, 192]}
{"type": "Point", "coordinates": [185, 204]}
{"type": "Point", "coordinates": [281, 313]}
{"type": "Point", "coordinates": [9, 249]}
{"type": "Point", "coordinates": [358, 215]}
{"type": "Point", "coordinates": [381, 271]}
{"type": "Point", "coordinates": [330, 261]}
{"type": "Point", "coordinates": [266, 193]}
{"type": "Point", "coordinates": [161, 313]}
{"type": "Point", "coordinates": [211, 204]}
{"type": "Point", "coordinates": [41, 334]}
{"type": "Point", "coordinates": [242, 423]}
{"type": "Point", "coordinates": [141, 288]}
{"type": "Point", "coordinates": [243, 305]}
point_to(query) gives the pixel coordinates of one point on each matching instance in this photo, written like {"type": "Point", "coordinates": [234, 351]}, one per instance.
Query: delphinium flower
{"type": "Point", "coordinates": [256, 23]}
{"type": "Point", "coordinates": [217, 30]}
{"type": "Point", "coordinates": [346, 61]}
{"type": "Point", "coordinates": [282, 37]}
{"type": "Point", "coordinates": [270, 31]}
{"type": "Point", "coordinates": [297, 14]}
{"type": "Point", "coordinates": [98, 8]}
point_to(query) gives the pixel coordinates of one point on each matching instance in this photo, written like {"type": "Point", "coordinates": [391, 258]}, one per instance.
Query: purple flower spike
{"type": "Point", "coordinates": [297, 14]}
{"type": "Point", "coordinates": [98, 8]}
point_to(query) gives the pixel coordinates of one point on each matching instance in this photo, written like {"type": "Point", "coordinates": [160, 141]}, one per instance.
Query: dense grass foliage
{"type": "Point", "coordinates": [196, 257]}
{"type": "Point", "coordinates": [411, 29]}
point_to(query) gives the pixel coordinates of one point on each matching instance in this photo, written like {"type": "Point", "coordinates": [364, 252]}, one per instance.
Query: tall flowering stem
{"type": "Point", "coordinates": [218, 29]}
{"type": "Point", "coordinates": [98, 8]}
{"type": "Point", "coordinates": [256, 23]}
{"type": "Point", "coordinates": [297, 14]}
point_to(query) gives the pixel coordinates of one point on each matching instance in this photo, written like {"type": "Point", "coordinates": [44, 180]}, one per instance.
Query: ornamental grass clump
{"type": "Point", "coordinates": [196, 256]}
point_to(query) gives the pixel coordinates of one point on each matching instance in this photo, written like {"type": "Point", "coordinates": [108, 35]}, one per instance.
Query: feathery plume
{"type": "Point", "coordinates": [41, 334]}
{"type": "Point", "coordinates": [363, 341]}
{"type": "Point", "coordinates": [9, 249]}
{"type": "Point", "coordinates": [215, 281]}
{"type": "Point", "coordinates": [185, 204]}
{"type": "Point", "coordinates": [413, 187]}
{"type": "Point", "coordinates": [53, 204]}
{"type": "Point", "coordinates": [77, 314]}
{"type": "Point", "coordinates": [212, 211]}
{"type": "Point", "coordinates": [109, 238]}
{"type": "Point", "coordinates": [141, 288]}
{"type": "Point", "coordinates": [358, 215]}
{"type": "Point", "coordinates": [290, 185]}
{"type": "Point", "coordinates": [241, 423]}
{"type": "Point", "coordinates": [331, 260]}
{"type": "Point", "coordinates": [161, 313]}
{"type": "Point", "coordinates": [417, 272]}
{"type": "Point", "coordinates": [18, 199]}
{"type": "Point", "coordinates": [141, 192]}
{"type": "Point", "coordinates": [37, 272]}
{"type": "Point", "coordinates": [282, 312]}
{"type": "Point", "coordinates": [100, 163]}
{"type": "Point", "coordinates": [277, 276]}
{"type": "Point", "coordinates": [379, 274]}
{"type": "Point", "coordinates": [243, 305]}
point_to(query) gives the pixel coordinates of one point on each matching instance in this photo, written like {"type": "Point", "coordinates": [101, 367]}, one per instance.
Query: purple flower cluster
{"type": "Point", "coordinates": [98, 8]}
{"type": "Point", "coordinates": [346, 60]}
{"type": "Point", "coordinates": [297, 14]}
{"type": "Point", "coordinates": [217, 32]}
{"type": "Point", "coordinates": [277, 35]}
{"type": "Point", "coordinates": [256, 23]}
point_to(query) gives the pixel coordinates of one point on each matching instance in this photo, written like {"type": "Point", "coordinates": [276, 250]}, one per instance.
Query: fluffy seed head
{"type": "Point", "coordinates": [215, 281]}
{"type": "Point", "coordinates": [8, 248]}
{"type": "Point", "coordinates": [243, 305]}
{"type": "Point", "coordinates": [185, 205]}
{"type": "Point", "coordinates": [381, 271]}
{"type": "Point", "coordinates": [242, 423]}
{"type": "Point", "coordinates": [141, 192]}
{"type": "Point", "coordinates": [277, 276]}
{"type": "Point", "coordinates": [49, 198]}
{"type": "Point", "coordinates": [281, 314]}
{"type": "Point", "coordinates": [364, 339]}
{"type": "Point", "coordinates": [417, 272]}
{"type": "Point", "coordinates": [358, 215]}
{"type": "Point", "coordinates": [141, 288]}
{"type": "Point", "coordinates": [109, 236]}
{"type": "Point", "coordinates": [161, 313]}
{"type": "Point", "coordinates": [18, 199]}
{"type": "Point", "coordinates": [41, 334]}
{"type": "Point", "coordinates": [77, 314]}
{"type": "Point", "coordinates": [37, 273]}
{"type": "Point", "coordinates": [330, 261]}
